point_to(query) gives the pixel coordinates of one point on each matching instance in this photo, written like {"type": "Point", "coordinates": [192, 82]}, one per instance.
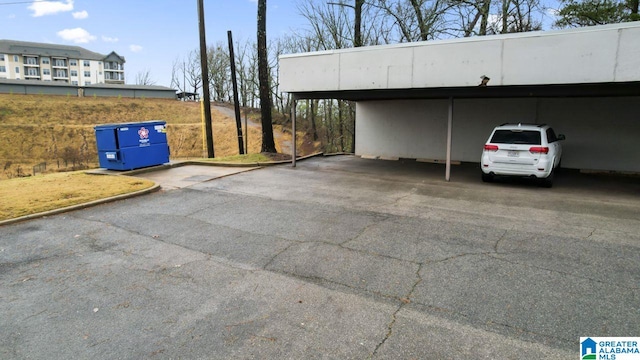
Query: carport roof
{"type": "Point", "coordinates": [593, 61]}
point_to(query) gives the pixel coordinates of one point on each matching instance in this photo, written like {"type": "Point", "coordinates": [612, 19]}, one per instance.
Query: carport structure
{"type": "Point", "coordinates": [439, 100]}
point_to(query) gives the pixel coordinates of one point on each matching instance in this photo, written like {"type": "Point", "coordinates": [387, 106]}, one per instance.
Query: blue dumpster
{"type": "Point", "coordinates": [131, 146]}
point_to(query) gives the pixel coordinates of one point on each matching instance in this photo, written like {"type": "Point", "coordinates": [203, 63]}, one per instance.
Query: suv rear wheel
{"type": "Point", "coordinates": [548, 181]}
{"type": "Point", "coordinates": [487, 177]}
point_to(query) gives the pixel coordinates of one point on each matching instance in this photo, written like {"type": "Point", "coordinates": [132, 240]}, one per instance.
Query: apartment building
{"type": "Point", "coordinates": [73, 65]}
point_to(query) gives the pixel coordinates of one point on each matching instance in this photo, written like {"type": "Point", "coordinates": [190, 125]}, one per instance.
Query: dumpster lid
{"type": "Point", "coordinates": [131, 124]}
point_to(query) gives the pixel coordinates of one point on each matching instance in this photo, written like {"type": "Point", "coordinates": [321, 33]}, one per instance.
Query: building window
{"type": "Point", "coordinates": [3, 69]}
{"type": "Point", "coordinates": [46, 72]}
{"type": "Point", "coordinates": [73, 62]}
{"type": "Point", "coordinates": [87, 82]}
{"type": "Point", "coordinates": [17, 70]}
{"type": "Point", "coordinates": [15, 58]}
{"type": "Point", "coordinates": [31, 61]}
{"type": "Point", "coordinates": [1, 57]}
{"type": "Point", "coordinates": [61, 73]}
{"type": "Point", "coordinates": [86, 63]}
{"type": "Point", "coordinates": [45, 60]}
{"type": "Point", "coordinates": [32, 72]}
{"type": "Point", "coordinates": [60, 63]}
{"type": "Point", "coordinates": [87, 74]}
{"type": "Point", "coordinates": [74, 73]}
{"type": "Point", "coordinates": [74, 83]}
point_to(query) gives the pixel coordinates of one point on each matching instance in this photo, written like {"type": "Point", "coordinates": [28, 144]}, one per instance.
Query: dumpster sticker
{"type": "Point", "coordinates": [160, 129]}
{"type": "Point", "coordinates": [144, 136]}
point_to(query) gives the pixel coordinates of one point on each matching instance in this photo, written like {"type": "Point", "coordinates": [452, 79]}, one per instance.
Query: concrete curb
{"type": "Point", "coordinates": [208, 163]}
{"type": "Point", "coordinates": [150, 190]}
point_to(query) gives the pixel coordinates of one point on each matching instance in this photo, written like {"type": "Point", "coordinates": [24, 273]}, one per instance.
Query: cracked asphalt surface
{"type": "Point", "coordinates": [339, 258]}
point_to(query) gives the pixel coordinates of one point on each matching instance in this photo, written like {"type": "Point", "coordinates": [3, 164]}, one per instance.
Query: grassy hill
{"type": "Point", "coordinates": [58, 130]}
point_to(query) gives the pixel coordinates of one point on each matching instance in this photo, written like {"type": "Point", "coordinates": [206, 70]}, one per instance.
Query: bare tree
{"type": "Point", "coordinates": [244, 69]}
{"type": "Point", "coordinates": [414, 20]}
{"type": "Point", "coordinates": [178, 75]}
{"type": "Point", "coordinates": [192, 71]}
{"type": "Point", "coordinates": [219, 72]}
{"type": "Point", "coordinates": [144, 78]}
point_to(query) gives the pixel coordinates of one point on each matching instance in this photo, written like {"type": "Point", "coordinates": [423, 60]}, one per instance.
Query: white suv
{"type": "Point", "coordinates": [525, 150]}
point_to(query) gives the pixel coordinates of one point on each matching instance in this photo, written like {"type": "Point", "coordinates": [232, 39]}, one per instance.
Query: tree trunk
{"type": "Point", "coordinates": [357, 33]}
{"type": "Point", "coordinates": [268, 144]}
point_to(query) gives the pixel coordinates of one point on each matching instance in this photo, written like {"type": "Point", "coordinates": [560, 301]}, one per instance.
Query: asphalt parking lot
{"type": "Point", "coordinates": [338, 258]}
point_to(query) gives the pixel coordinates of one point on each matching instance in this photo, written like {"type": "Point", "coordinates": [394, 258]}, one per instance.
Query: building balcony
{"type": "Point", "coordinates": [113, 67]}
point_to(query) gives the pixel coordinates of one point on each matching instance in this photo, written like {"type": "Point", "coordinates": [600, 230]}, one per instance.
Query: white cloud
{"type": "Point", "coordinates": [135, 48]}
{"type": "Point", "coordinates": [110, 39]}
{"type": "Point", "coordinates": [12, 16]}
{"type": "Point", "coordinates": [80, 14]}
{"type": "Point", "coordinates": [42, 8]}
{"type": "Point", "coordinates": [77, 35]}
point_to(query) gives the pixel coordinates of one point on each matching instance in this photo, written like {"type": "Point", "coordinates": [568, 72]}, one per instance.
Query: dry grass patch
{"type": "Point", "coordinates": [32, 195]}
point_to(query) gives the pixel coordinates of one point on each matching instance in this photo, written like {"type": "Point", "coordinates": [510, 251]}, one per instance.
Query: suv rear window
{"type": "Point", "coordinates": [526, 137]}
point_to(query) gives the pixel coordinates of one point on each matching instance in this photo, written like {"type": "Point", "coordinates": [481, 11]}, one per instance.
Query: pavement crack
{"type": "Point", "coordinates": [497, 244]}
{"type": "Point", "coordinates": [590, 234]}
{"type": "Point", "coordinates": [362, 232]}
{"type": "Point", "coordinates": [458, 256]}
{"type": "Point", "coordinates": [274, 257]}
{"type": "Point", "coordinates": [394, 317]}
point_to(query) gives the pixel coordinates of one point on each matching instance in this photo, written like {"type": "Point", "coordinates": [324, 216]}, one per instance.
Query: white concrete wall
{"type": "Point", "coordinates": [597, 54]}
{"type": "Point", "coordinates": [402, 128]}
{"type": "Point", "coordinates": [602, 133]}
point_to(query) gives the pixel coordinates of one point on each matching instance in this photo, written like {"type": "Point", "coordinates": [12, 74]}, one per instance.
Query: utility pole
{"type": "Point", "coordinates": [205, 80]}
{"type": "Point", "coordinates": [232, 59]}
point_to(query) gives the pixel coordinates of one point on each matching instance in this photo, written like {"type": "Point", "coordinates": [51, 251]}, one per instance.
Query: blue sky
{"type": "Point", "coordinates": [150, 34]}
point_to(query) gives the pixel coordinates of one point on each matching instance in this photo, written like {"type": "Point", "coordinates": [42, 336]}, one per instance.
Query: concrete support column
{"type": "Point", "coordinates": [294, 104]}
{"type": "Point", "coordinates": [447, 175]}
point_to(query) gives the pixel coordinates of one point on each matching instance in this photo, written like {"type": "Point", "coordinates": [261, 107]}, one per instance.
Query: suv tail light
{"type": "Point", "coordinates": [491, 147]}
{"type": "Point", "coordinates": [539, 150]}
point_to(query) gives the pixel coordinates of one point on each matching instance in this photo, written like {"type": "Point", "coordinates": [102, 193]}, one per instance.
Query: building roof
{"type": "Point", "coordinates": [53, 50]}
{"type": "Point", "coordinates": [130, 87]}
{"type": "Point", "coordinates": [96, 86]}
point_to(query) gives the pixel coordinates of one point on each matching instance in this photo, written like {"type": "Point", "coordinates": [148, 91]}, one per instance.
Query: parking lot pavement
{"type": "Point", "coordinates": [339, 257]}
{"type": "Point", "coordinates": [185, 176]}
